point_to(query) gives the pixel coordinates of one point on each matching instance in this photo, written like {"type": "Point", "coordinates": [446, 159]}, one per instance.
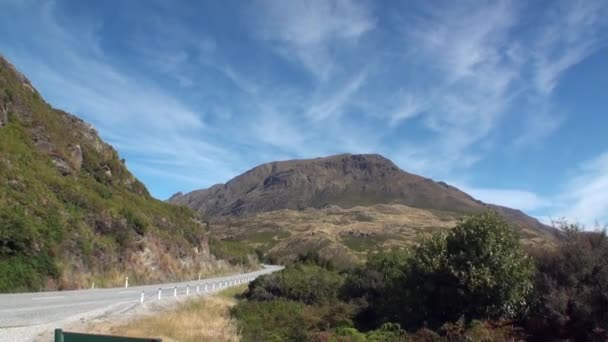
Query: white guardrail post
{"type": "Point", "coordinates": [175, 292]}
{"type": "Point", "coordinates": [159, 293]}
{"type": "Point", "coordinates": [141, 300]}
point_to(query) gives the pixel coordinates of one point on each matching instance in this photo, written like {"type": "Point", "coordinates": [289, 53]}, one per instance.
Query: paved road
{"type": "Point", "coordinates": [29, 309]}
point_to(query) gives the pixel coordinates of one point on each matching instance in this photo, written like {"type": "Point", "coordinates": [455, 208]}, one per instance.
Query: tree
{"type": "Point", "coordinates": [476, 271]}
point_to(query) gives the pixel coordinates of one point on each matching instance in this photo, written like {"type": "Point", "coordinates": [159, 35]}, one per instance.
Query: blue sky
{"type": "Point", "coordinates": [504, 99]}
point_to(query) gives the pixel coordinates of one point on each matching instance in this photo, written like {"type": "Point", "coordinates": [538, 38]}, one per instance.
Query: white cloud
{"type": "Point", "coordinates": [513, 198]}
{"type": "Point", "coordinates": [571, 34]}
{"type": "Point", "coordinates": [583, 199]}
{"type": "Point", "coordinates": [307, 29]}
{"type": "Point", "coordinates": [480, 67]}
{"type": "Point", "coordinates": [475, 65]}
{"type": "Point", "coordinates": [410, 106]}
{"type": "Point", "coordinates": [586, 195]}
{"type": "Point", "coordinates": [334, 104]}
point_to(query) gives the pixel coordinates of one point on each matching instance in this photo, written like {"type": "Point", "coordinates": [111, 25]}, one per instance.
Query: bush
{"type": "Point", "coordinates": [477, 271]}
{"type": "Point", "coordinates": [309, 284]}
{"type": "Point", "coordinates": [277, 320]}
{"type": "Point", "coordinates": [20, 273]}
{"type": "Point", "coordinates": [571, 292]}
{"type": "Point", "coordinates": [18, 231]}
{"type": "Point", "coordinates": [376, 283]}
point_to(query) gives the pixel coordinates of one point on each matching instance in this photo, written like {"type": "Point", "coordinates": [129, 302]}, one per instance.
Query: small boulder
{"type": "Point", "coordinates": [107, 171]}
{"type": "Point", "coordinates": [76, 157]}
{"type": "Point", "coordinates": [61, 165]}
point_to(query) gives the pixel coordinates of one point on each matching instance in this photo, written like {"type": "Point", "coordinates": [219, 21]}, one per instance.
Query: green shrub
{"type": "Point", "coordinates": [277, 320]}
{"type": "Point", "coordinates": [571, 289]}
{"type": "Point", "coordinates": [18, 231]}
{"type": "Point", "coordinates": [300, 282]}
{"type": "Point", "coordinates": [135, 222]}
{"type": "Point", "coordinates": [21, 273]}
{"type": "Point", "coordinates": [477, 271]}
{"type": "Point", "coordinates": [375, 282]}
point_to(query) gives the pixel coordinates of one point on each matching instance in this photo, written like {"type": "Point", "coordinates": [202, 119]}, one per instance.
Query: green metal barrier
{"type": "Point", "coordinates": [61, 336]}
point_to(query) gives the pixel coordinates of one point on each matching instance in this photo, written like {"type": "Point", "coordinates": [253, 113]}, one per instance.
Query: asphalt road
{"type": "Point", "coordinates": [30, 309]}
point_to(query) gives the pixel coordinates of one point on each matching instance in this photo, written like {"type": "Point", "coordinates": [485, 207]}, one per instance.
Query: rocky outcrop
{"type": "Point", "coordinates": [76, 157]}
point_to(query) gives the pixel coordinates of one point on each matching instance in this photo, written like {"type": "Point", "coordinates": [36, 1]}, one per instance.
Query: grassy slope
{"type": "Point", "coordinates": [96, 224]}
{"type": "Point", "coordinates": [341, 235]}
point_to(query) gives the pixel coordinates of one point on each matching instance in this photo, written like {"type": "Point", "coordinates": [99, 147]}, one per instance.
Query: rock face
{"type": "Point", "coordinates": [344, 180]}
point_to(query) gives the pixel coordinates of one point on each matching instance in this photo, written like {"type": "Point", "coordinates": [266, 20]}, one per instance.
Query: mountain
{"type": "Point", "coordinates": [367, 192]}
{"type": "Point", "coordinates": [72, 214]}
{"type": "Point", "coordinates": [344, 180]}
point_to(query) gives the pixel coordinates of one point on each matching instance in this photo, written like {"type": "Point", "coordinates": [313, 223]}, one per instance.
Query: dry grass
{"type": "Point", "coordinates": [206, 319]}
{"type": "Point", "coordinates": [335, 233]}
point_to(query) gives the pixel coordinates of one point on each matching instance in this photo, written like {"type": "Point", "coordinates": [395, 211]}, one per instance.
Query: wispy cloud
{"type": "Point", "coordinates": [582, 199]}
{"type": "Point", "coordinates": [307, 30]}
{"type": "Point", "coordinates": [514, 198]}
{"type": "Point", "coordinates": [333, 105]}
{"type": "Point", "coordinates": [573, 31]}
{"type": "Point", "coordinates": [586, 195]}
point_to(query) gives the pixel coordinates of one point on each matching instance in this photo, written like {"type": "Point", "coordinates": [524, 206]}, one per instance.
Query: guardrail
{"type": "Point", "coordinates": [201, 287]}
{"type": "Point", "coordinates": [64, 336]}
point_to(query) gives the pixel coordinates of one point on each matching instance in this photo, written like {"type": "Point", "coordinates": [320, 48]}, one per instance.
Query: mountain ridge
{"type": "Point", "coordinates": [345, 180]}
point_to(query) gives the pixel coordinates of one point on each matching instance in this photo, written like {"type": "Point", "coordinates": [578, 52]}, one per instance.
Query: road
{"type": "Point", "coordinates": [30, 309]}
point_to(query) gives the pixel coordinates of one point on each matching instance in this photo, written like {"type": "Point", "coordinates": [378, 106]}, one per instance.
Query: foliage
{"type": "Point", "coordinates": [374, 283]}
{"type": "Point", "coordinates": [571, 292]}
{"type": "Point", "coordinates": [477, 271]}
{"type": "Point", "coordinates": [277, 320]}
{"type": "Point", "coordinates": [306, 283]}
{"type": "Point", "coordinates": [286, 320]}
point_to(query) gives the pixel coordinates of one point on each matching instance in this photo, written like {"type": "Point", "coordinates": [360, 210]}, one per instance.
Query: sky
{"type": "Point", "coordinates": [506, 100]}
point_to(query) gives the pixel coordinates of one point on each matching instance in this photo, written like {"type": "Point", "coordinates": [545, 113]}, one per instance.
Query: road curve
{"type": "Point", "coordinates": [30, 309]}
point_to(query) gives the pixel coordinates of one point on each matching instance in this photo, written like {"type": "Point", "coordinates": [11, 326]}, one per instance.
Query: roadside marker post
{"type": "Point", "coordinates": [198, 288]}
{"type": "Point", "coordinates": [187, 290]}
{"type": "Point", "coordinates": [127, 282]}
{"type": "Point", "coordinates": [175, 292]}
{"type": "Point", "coordinates": [159, 293]}
{"type": "Point", "coordinates": [141, 301]}
{"type": "Point", "coordinates": [205, 287]}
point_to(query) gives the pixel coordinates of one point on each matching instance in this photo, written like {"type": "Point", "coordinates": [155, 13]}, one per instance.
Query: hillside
{"type": "Point", "coordinates": [71, 213]}
{"type": "Point", "coordinates": [342, 206]}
